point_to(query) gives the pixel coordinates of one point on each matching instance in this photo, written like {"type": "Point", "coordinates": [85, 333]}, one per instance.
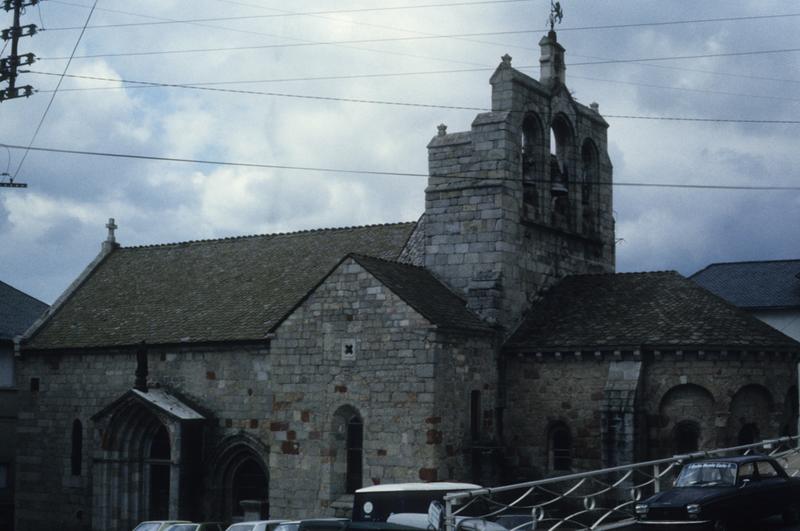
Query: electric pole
{"type": "Point", "coordinates": [9, 66]}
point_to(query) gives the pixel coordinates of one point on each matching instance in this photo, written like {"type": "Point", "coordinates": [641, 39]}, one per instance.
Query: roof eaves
{"type": "Point", "coordinates": [200, 343]}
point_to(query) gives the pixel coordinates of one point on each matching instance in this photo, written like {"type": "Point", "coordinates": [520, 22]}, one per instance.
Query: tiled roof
{"type": "Point", "coordinates": [754, 285]}
{"type": "Point", "coordinates": [206, 291]}
{"type": "Point", "coordinates": [423, 292]}
{"type": "Point", "coordinates": [17, 311]}
{"type": "Point", "coordinates": [639, 310]}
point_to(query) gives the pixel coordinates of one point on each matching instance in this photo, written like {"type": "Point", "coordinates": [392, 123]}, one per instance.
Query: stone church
{"type": "Point", "coordinates": [489, 341]}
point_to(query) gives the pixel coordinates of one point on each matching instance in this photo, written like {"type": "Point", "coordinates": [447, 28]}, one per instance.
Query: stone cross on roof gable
{"type": "Point", "coordinates": [111, 226]}
{"type": "Point", "coordinates": [110, 242]}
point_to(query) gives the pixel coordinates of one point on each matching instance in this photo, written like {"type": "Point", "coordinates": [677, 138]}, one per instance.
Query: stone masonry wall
{"type": "Point", "coordinates": [546, 390]}
{"type": "Point", "coordinates": [389, 381]}
{"type": "Point", "coordinates": [235, 384]}
{"type": "Point", "coordinates": [466, 365]}
{"type": "Point", "coordinates": [285, 396]}
{"type": "Point", "coordinates": [720, 393]}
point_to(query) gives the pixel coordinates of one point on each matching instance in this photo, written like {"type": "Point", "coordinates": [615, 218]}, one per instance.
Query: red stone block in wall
{"type": "Point", "coordinates": [428, 474]}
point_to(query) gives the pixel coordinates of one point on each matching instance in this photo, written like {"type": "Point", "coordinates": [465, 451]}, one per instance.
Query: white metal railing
{"type": "Point", "coordinates": [589, 500]}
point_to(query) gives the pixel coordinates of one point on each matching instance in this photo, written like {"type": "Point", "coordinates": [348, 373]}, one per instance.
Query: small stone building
{"type": "Point", "coordinates": [18, 311]}
{"type": "Point", "coordinates": [488, 341]}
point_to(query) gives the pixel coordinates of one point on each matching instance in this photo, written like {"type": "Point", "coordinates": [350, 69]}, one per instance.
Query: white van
{"type": "Point", "coordinates": [377, 503]}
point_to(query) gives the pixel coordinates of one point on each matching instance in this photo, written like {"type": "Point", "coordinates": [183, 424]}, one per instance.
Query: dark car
{"type": "Point", "coordinates": [720, 493]}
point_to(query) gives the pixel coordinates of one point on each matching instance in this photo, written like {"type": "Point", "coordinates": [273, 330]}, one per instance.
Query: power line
{"type": "Point", "coordinates": [420, 73]}
{"type": "Point", "coordinates": [369, 25]}
{"type": "Point", "coordinates": [53, 96]}
{"type": "Point", "coordinates": [275, 94]}
{"type": "Point", "coordinates": [379, 173]}
{"type": "Point", "coordinates": [453, 4]}
{"type": "Point", "coordinates": [261, 33]}
{"type": "Point", "coordinates": [276, 15]}
{"type": "Point", "coordinates": [296, 13]}
{"type": "Point", "coordinates": [683, 89]}
{"type": "Point", "coordinates": [684, 57]}
{"type": "Point", "coordinates": [291, 79]}
{"type": "Point", "coordinates": [409, 104]}
{"type": "Point", "coordinates": [697, 70]}
{"type": "Point", "coordinates": [405, 39]}
{"type": "Point", "coordinates": [600, 60]}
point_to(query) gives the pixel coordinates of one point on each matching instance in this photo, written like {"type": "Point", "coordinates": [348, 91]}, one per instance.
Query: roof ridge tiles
{"type": "Point", "coordinates": [267, 235]}
{"type": "Point", "coordinates": [741, 262]}
{"type": "Point", "coordinates": [626, 273]}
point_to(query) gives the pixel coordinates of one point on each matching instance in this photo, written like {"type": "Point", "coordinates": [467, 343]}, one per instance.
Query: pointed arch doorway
{"type": "Point", "coordinates": [145, 460]}
{"type": "Point", "coordinates": [239, 474]}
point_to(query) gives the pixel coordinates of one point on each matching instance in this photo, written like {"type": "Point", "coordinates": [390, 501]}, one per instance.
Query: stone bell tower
{"type": "Point", "coordinates": [523, 198]}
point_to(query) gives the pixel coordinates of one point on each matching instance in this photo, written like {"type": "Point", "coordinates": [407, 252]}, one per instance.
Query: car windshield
{"type": "Point", "coordinates": [183, 527]}
{"type": "Point", "coordinates": [291, 526]}
{"type": "Point", "coordinates": [242, 527]}
{"type": "Point", "coordinates": [707, 474]}
{"type": "Point", "coordinates": [147, 526]}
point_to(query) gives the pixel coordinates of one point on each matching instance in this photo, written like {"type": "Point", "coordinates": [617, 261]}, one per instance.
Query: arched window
{"type": "Point", "coordinates": [750, 407]}
{"type": "Point", "coordinates": [686, 437]}
{"type": "Point", "coordinates": [355, 453]}
{"type": "Point", "coordinates": [683, 411]}
{"type": "Point", "coordinates": [347, 452]}
{"type": "Point", "coordinates": [560, 153]}
{"type": "Point", "coordinates": [475, 416]}
{"type": "Point", "coordinates": [532, 168]}
{"type": "Point", "coordinates": [748, 434]}
{"type": "Point", "coordinates": [560, 443]}
{"type": "Point", "coordinates": [76, 454]}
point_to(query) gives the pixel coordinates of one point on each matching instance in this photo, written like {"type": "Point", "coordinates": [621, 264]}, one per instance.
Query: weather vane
{"type": "Point", "coordinates": [556, 14]}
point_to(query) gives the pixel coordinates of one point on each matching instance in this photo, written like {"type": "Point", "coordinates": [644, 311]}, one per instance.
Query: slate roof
{"type": "Point", "coordinates": [423, 292]}
{"type": "Point", "coordinates": [639, 310]}
{"type": "Point", "coordinates": [205, 291]}
{"type": "Point", "coordinates": [17, 311]}
{"type": "Point", "coordinates": [754, 285]}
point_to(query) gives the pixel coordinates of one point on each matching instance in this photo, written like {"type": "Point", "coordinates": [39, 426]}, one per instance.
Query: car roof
{"type": "Point", "coordinates": [404, 487]}
{"type": "Point", "coordinates": [272, 521]}
{"type": "Point", "coordinates": [738, 459]}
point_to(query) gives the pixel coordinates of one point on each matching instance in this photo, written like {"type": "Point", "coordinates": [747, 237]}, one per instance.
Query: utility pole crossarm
{"type": "Point", "coordinates": [9, 66]}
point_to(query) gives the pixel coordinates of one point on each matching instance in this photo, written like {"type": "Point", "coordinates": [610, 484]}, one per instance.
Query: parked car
{"type": "Point", "coordinates": [720, 493]}
{"type": "Point", "coordinates": [314, 524]}
{"type": "Point", "coordinates": [158, 525]}
{"type": "Point", "coordinates": [422, 521]}
{"type": "Point", "coordinates": [196, 526]}
{"type": "Point", "coordinates": [288, 526]}
{"type": "Point", "coordinates": [256, 525]}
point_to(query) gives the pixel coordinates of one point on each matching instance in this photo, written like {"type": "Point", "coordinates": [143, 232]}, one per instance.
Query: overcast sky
{"type": "Point", "coordinates": [50, 231]}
